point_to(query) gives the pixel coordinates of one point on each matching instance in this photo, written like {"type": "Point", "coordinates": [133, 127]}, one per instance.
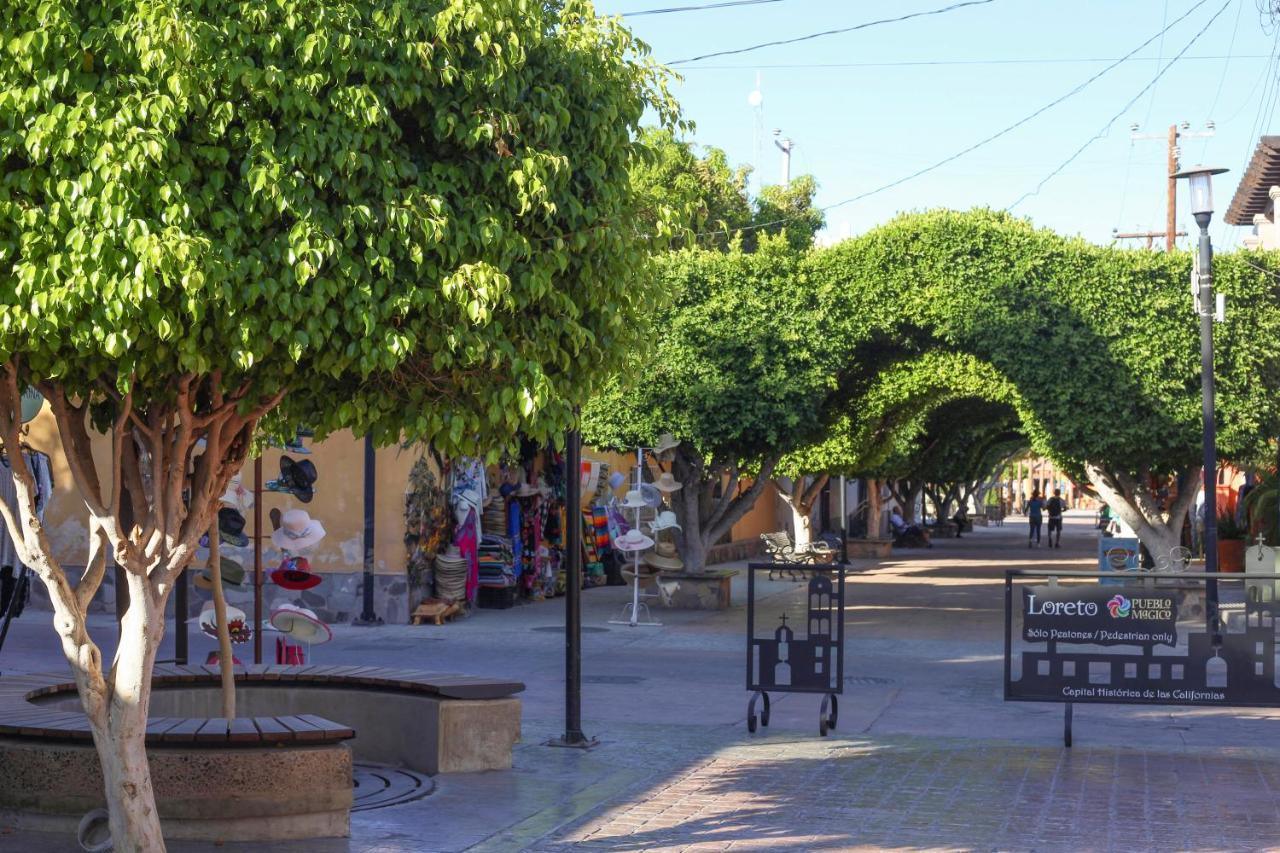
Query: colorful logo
{"type": "Point", "coordinates": [1119, 607]}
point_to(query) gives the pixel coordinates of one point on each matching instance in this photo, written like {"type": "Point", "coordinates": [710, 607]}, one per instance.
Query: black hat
{"type": "Point", "coordinates": [231, 527]}
{"type": "Point", "coordinates": [300, 477]}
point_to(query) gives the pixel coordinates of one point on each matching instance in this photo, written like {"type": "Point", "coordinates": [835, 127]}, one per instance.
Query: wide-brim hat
{"type": "Point", "coordinates": [668, 483]}
{"type": "Point", "coordinates": [237, 495]}
{"type": "Point", "coordinates": [632, 540]}
{"type": "Point", "coordinates": [301, 624]}
{"type": "Point", "coordinates": [301, 474]}
{"type": "Point", "coordinates": [665, 549]}
{"type": "Point", "coordinates": [665, 520]}
{"type": "Point", "coordinates": [666, 442]}
{"type": "Point", "coordinates": [658, 561]}
{"type": "Point", "coordinates": [231, 571]}
{"type": "Point", "coordinates": [32, 403]}
{"type": "Point", "coordinates": [634, 500]}
{"type": "Point", "coordinates": [231, 527]}
{"type": "Point", "coordinates": [209, 624]}
{"type": "Point", "coordinates": [295, 573]}
{"type": "Point", "coordinates": [298, 530]}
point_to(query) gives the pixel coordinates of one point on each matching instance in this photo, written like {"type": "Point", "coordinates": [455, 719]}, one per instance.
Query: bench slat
{"type": "Point", "coordinates": [243, 730]}
{"type": "Point", "coordinates": [184, 731]}
{"type": "Point", "coordinates": [334, 729]}
{"type": "Point", "coordinates": [302, 730]}
{"type": "Point", "coordinates": [214, 730]}
{"type": "Point", "coordinates": [270, 730]}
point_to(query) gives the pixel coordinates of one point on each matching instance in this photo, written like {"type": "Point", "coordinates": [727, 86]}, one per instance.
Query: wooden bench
{"type": "Point", "coordinates": [249, 768]}
{"type": "Point", "coordinates": [25, 712]}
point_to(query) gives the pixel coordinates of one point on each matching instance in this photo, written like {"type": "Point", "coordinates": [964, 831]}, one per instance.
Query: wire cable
{"type": "Point", "coordinates": [673, 9]}
{"type": "Point", "coordinates": [1164, 19]}
{"type": "Point", "coordinates": [1107, 126]}
{"type": "Point", "coordinates": [912, 63]}
{"type": "Point", "coordinates": [811, 36]}
{"type": "Point", "coordinates": [986, 140]}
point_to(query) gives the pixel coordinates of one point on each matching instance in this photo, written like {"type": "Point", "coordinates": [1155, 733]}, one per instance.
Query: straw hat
{"type": "Point", "coordinates": [527, 491]}
{"type": "Point", "coordinates": [298, 530]}
{"type": "Point", "coordinates": [301, 624]}
{"type": "Point", "coordinates": [231, 571]}
{"type": "Point", "coordinates": [632, 540]}
{"type": "Point", "coordinates": [634, 500]}
{"type": "Point", "coordinates": [666, 442]}
{"type": "Point", "coordinates": [237, 495]}
{"type": "Point", "coordinates": [658, 561]}
{"type": "Point", "coordinates": [668, 483]}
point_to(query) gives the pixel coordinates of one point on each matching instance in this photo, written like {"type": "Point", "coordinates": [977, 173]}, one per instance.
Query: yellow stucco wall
{"type": "Point", "coordinates": [338, 502]}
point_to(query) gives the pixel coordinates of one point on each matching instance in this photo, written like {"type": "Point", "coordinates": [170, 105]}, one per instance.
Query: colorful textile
{"type": "Point", "coordinates": [466, 537]}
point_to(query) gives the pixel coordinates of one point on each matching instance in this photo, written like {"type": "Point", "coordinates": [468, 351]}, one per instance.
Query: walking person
{"type": "Point", "coordinates": [1056, 506]}
{"type": "Point", "coordinates": [1035, 518]}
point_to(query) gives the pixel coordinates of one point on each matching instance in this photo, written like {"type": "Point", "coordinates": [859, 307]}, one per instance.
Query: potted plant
{"type": "Point", "coordinates": [1231, 543]}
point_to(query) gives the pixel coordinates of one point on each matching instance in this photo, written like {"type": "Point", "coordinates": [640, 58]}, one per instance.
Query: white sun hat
{"type": "Point", "coordinates": [301, 624]}
{"type": "Point", "coordinates": [632, 540]}
{"type": "Point", "coordinates": [634, 500]}
{"type": "Point", "coordinates": [666, 519]}
{"type": "Point", "coordinates": [298, 530]}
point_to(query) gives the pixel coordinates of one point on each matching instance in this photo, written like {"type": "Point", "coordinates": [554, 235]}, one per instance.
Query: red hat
{"type": "Point", "coordinates": [295, 573]}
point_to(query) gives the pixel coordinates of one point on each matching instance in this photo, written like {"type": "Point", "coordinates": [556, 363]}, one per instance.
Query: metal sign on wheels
{"type": "Point", "coordinates": [796, 647]}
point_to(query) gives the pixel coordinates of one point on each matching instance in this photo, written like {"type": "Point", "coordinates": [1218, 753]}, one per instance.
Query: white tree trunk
{"type": "Point", "coordinates": [120, 726]}
{"type": "Point", "coordinates": [1131, 501]}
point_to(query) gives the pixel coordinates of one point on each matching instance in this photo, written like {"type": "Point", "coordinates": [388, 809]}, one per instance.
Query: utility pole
{"type": "Point", "coordinates": [1176, 132]}
{"type": "Point", "coordinates": [785, 146]}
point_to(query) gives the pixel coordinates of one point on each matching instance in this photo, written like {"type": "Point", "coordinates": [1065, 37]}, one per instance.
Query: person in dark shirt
{"type": "Point", "coordinates": [1055, 506]}
{"type": "Point", "coordinates": [1035, 518]}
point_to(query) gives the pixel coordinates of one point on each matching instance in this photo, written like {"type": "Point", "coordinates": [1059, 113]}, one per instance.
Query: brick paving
{"type": "Point", "coordinates": [928, 755]}
{"type": "Point", "coordinates": [915, 793]}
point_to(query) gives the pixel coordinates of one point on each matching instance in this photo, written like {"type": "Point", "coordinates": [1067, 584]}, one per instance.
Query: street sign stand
{"type": "Point", "coordinates": [1165, 638]}
{"type": "Point", "coordinates": [800, 649]}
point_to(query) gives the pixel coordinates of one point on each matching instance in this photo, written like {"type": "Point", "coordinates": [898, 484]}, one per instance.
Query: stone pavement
{"type": "Point", "coordinates": [927, 754]}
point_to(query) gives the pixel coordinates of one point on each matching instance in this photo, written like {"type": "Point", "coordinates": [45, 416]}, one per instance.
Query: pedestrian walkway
{"type": "Point", "coordinates": [927, 754]}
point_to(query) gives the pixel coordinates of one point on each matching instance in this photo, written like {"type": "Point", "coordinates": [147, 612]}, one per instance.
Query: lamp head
{"type": "Point", "coordinates": [1200, 183]}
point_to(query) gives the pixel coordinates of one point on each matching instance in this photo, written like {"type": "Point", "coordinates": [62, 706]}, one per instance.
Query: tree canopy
{"type": "Point", "coordinates": [1096, 347]}
{"type": "Point", "coordinates": [411, 218]}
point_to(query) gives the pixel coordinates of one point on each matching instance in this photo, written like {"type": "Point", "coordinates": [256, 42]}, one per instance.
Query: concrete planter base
{"type": "Point", "coordinates": [203, 794]}
{"type": "Point", "coordinates": [865, 549]}
{"type": "Point", "coordinates": [709, 590]}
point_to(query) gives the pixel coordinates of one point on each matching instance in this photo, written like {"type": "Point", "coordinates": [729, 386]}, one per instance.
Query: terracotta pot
{"type": "Point", "coordinates": [1231, 555]}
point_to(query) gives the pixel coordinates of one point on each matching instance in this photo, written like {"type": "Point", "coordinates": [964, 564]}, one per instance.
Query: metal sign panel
{"type": "Point", "coordinates": [1153, 640]}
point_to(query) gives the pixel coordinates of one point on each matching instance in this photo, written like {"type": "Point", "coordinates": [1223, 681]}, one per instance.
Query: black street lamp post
{"type": "Point", "coordinates": [1200, 182]}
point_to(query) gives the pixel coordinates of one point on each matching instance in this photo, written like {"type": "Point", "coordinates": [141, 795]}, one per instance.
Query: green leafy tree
{"type": "Point", "coordinates": [737, 374]}
{"type": "Point", "coordinates": [408, 218]}
{"type": "Point", "coordinates": [1100, 344]}
{"type": "Point", "coordinates": [708, 195]}
{"type": "Point", "coordinates": [789, 210]}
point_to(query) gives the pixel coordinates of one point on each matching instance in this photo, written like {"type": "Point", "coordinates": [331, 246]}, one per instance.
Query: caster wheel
{"type": "Point", "coordinates": [751, 723]}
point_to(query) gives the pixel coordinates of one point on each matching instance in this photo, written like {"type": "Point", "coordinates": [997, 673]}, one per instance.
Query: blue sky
{"type": "Point", "coordinates": [860, 122]}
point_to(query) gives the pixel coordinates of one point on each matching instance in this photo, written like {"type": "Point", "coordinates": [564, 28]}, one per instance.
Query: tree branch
{"type": "Point", "coordinates": [743, 502]}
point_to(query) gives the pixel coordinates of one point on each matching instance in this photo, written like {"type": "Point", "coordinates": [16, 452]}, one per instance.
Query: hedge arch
{"type": "Point", "coordinates": [1098, 346]}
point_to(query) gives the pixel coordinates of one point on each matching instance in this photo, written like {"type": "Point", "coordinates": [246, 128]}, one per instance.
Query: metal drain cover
{"type": "Point", "coordinates": [559, 629]}
{"type": "Point", "coordinates": [867, 681]}
{"type": "Point", "coordinates": [378, 786]}
{"type": "Point", "coordinates": [612, 679]}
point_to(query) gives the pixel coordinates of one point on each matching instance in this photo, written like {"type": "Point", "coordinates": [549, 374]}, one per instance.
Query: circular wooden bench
{"type": "Point", "coordinates": [280, 771]}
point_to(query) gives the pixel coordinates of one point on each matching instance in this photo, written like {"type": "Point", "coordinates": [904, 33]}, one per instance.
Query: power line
{"type": "Point", "coordinates": [1107, 126]}
{"type": "Point", "coordinates": [1164, 19]}
{"type": "Point", "coordinates": [812, 36]}
{"type": "Point", "coordinates": [912, 63]}
{"type": "Point", "coordinates": [982, 142]}
{"type": "Point", "coordinates": [723, 5]}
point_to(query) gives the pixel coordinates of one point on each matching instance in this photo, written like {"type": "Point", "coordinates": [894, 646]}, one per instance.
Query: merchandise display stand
{"type": "Point", "coordinates": [631, 611]}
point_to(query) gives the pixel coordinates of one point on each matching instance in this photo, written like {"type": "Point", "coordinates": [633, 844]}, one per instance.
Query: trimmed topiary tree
{"type": "Point", "coordinates": [408, 218]}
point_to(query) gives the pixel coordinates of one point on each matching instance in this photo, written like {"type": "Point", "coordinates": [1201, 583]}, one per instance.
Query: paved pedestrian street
{"type": "Point", "coordinates": [927, 755]}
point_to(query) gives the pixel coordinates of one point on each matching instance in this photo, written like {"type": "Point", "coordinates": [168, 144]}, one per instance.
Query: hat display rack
{"type": "Point", "coordinates": [633, 542]}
